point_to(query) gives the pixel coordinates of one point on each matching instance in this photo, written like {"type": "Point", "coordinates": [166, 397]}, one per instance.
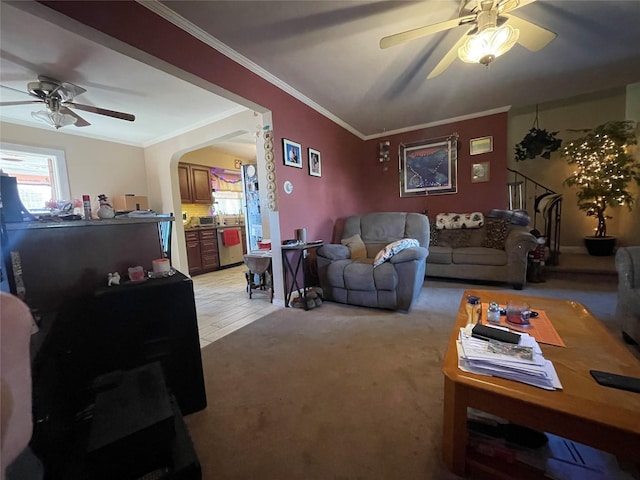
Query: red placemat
{"type": "Point", "coordinates": [540, 328]}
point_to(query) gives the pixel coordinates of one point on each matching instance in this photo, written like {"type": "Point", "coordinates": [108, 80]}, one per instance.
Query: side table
{"type": "Point", "coordinates": [292, 264]}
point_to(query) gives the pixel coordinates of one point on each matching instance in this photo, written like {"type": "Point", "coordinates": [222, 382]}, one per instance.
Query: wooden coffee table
{"type": "Point", "coordinates": [584, 411]}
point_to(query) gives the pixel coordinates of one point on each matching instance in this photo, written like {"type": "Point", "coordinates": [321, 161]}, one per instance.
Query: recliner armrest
{"type": "Point", "coordinates": [333, 251]}
{"type": "Point", "coordinates": [410, 254]}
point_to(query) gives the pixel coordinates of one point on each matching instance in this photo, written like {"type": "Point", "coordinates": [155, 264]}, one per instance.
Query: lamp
{"type": "Point", "coordinates": [55, 119]}
{"type": "Point", "coordinates": [52, 115]}
{"type": "Point", "coordinates": [490, 41]}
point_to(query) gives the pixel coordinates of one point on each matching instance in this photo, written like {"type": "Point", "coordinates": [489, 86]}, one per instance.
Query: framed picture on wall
{"type": "Point", "coordinates": [480, 172]}
{"type": "Point", "coordinates": [429, 167]}
{"type": "Point", "coordinates": [315, 163]}
{"type": "Point", "coordinates": [480, 145]}
{"type": "Point", "coordinates": [292, 153]}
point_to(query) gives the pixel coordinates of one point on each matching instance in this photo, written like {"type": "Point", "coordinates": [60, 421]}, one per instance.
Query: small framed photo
{"type": "Point", "coordinates": [292, 153]}
{"type": "Point", "coordinates": [480, 172]}
{"type": "Point", "coordinates": [315, 163]}
{"type": "Point", "coordinates": [481, 145]}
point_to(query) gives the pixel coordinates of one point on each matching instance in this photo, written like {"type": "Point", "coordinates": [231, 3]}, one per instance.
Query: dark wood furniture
{"type": "Point", "coordinates": [195, 183]}
{"type": "Point", "coordinates": [57, 261]}
{"type": "Point", "coordinates": [584, 411]}
{"type": "Point", "coordinates": [294, 263]}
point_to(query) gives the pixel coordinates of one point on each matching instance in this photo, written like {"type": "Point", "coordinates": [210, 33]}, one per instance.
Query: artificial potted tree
{"type": "Point", "coordinates": [604, 168]}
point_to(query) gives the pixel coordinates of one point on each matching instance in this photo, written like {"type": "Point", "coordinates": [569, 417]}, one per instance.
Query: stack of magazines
{"type": "Point", "coordinates": [522, 362]}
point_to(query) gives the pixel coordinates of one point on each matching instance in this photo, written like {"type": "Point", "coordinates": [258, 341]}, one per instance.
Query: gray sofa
{"type": "Point", "coordinates": [628, 306]}
{"type": "Point", "coordinates": [479, 253]}
{"type": "Point", "coordinates": [347, 274]}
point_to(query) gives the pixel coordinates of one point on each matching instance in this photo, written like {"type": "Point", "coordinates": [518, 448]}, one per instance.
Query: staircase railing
{"type": "Point", "coordinates": [542, 204]}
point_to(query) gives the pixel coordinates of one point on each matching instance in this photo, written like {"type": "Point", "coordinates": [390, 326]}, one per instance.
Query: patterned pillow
{"type": "Point", "coordinates": [356, 246]}
{"type": "Point", "coordinates": [496, 233]}
{"type": "Point", "coordinates": [394, 247]}
{"type": "Point", "coordinates": [454, 221]}
{"type": "Point", "coordinates": [433, 235]}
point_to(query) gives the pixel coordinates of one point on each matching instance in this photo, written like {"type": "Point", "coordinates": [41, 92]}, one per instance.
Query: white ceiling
{"type": "Point", "coordinates": [326, 53]}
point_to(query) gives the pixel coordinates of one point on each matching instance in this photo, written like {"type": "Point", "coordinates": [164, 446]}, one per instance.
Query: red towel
{"type": "Point", "coordinates": [230, 237]}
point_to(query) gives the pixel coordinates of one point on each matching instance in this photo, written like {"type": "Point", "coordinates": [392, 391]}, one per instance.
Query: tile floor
{"type": "Point", "coordinates": [223, 304]}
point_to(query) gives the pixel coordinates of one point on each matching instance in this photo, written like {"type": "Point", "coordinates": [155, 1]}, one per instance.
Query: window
{"type": "Point", "coordinates": [41, 174]}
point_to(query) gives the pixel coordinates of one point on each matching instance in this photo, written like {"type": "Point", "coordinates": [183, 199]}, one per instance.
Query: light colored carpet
{"type": "Point", "coordinates": [340, 392]}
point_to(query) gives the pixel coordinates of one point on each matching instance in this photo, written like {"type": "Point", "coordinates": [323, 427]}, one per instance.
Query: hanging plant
{"type": "Point", "coordinates": [537, 143]}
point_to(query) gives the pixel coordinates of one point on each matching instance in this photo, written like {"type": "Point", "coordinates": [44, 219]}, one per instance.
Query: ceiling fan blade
{"type": "Point", "coordinates": [398, 38]}
{"type": "Point", "coordinates": [80, 122]}
{"type": "Point", "coordinates": [508, 5]}
{"type": "Point", "coordinates": [22, 102]}
{"type": "Point", "coordinates": [533, 37]}
{"type": "Point", "coordinates": [19, 91]}
{"type": "Point", "coordinates": [101, 111]}
{"type": "Point", "coordinates": [450, 56]}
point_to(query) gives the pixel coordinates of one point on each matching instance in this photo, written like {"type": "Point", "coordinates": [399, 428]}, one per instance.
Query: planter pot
{"type": "Point", "coordinates": [600, 246]}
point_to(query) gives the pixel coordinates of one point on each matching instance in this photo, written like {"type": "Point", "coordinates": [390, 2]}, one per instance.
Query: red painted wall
{"type": "Point", "coordinates": [352, 180]}
{"type": "Point", "coordinates": [382, 192]}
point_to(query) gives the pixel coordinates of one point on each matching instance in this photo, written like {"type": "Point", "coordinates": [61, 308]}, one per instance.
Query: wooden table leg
{"type": "Point", "coordinates": [454, 432]}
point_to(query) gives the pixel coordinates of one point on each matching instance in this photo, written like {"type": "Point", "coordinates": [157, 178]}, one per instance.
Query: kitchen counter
{"type": "Point", "coordinates": [212, 227]}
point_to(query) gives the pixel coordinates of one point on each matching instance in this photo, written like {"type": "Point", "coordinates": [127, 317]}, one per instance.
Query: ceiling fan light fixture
{"type": "Point", "coordinates": [488, 44]}
{"type": "Point", "coordinates": [54, 119]}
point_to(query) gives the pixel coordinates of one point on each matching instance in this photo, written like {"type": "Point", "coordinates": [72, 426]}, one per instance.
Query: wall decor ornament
{"type": "Point", "coordinates": [315, 162]}
{"type": "Point", "coordinates": [429, 167]}
{"type": "Point", "coordinates": [271, 168]}
{"type": "Point", "coordinates": [292, 153]}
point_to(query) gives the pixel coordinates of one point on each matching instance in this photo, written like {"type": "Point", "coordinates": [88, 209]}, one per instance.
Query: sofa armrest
{"type": "Point", "coordinates": [333, 251]}
{"type": "Point", "coordinates": [517, 246]}
{"type": "Point", "coordinates": [519, 242]}
{"type": "Point", "coordinates": [627, 263]}
{"type": "Point", "coordinates": [410, 254]}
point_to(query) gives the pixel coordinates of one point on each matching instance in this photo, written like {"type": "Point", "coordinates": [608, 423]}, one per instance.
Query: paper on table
{"type": "Point", "coordinates": [474, 356]}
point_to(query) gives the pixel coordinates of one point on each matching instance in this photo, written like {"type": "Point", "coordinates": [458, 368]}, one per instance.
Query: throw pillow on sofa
{"type": "Point", "coordinates": [356, 247]}
{"type": "Point", "coordinates": [454, 221]}
{"type": "Point", "coordinates": [394, 247]}
{"type": "Point", "coordinates": [496, 233]}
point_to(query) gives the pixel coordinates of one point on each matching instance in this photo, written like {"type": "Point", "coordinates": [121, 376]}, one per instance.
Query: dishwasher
{"type": "Point", "coordinates": [230, 246]}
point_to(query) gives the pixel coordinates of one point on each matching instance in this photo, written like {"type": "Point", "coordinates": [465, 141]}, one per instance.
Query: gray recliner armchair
{"type": "Point", "coordinates": [347, 273]}
{"type": "Point", "coordinates": [628, 307]}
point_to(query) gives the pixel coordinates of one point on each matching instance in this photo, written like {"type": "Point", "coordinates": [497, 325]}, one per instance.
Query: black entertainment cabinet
{"type": "Point", "coordinates": [114, 329]}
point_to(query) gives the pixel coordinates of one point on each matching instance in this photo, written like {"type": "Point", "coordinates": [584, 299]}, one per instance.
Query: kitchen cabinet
{"type": "Point", "coordinates": [202, 251]}
{"type": "Point", "coordinates": [209, 250]}
{"type": "Point", "coordinates": [194, 259]}
{"type": "Point", "coordinates": [195, 183]}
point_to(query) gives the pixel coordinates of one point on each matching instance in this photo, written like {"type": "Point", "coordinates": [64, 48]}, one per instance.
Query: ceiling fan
{"type": "Point", "coordinates": [492, 32]}
{"type": "Point", "coordinates": [58, 98]}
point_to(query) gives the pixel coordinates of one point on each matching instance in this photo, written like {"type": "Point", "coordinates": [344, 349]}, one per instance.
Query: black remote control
{"type": "Point", "coordinates": [615, 380]}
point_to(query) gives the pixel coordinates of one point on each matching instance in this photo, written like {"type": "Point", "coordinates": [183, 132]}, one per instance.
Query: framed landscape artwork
{"type": "Point", "coordinates": [315, 163]}
{"type": "Point", "coordinates": [292, 153]}
{"type": "Point", "coordinates": [480, 145]}
{"type": "Point", "coordinates": [480, 172]}
{"type": "Point", "coordinates": [429, 167]}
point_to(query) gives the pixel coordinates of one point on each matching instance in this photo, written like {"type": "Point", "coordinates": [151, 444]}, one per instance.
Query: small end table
{"type": "Point", "coordinates": [292, 264]}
